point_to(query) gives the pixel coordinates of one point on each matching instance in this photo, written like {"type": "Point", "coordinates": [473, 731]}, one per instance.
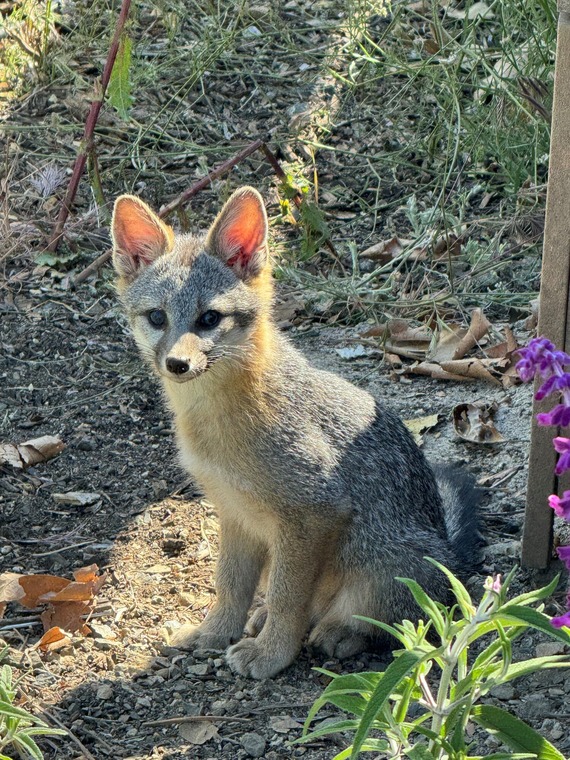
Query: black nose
{"type": "Point", "coordinates": [177, 366]}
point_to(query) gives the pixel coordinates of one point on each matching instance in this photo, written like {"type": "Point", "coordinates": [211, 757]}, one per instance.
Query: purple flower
{"type": "Point", "coordinates": [559, 416]}
{"type": "Point", "coordinates": [562, 446]}
{"type": "Point", "coordinates": [540, 356]}
{"type": "Point", "coordinates": [554, 383]}
{"type": "Point", "coordinates": [563, 620]}
{"type": "Point", "coordinates": [561, 505]}
{"type": "Point", "coordinates": [564, 554]}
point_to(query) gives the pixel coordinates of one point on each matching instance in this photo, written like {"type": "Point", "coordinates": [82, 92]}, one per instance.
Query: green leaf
{"type": "Point", "coordinates": [534, 618]}
{"type": "Point", "coordinates": [419, 752]}
{"type": "Point", "coordinates": [502, 756]}
{"type": "Point", "coordinates": [29, 744]}
{"type": "Point", "coordinates": [537, 594]}
{"type": "Point", "coordinates": [525, 667]}
{"type": "Point", "coordinates": [392, 677]}
{"type": "Point", "coordinates": [461, 594]}
{"type": "Point", "coordinates": [5, 757]}
{"type": "Point", "coordinates": [6, 709]}
{"type": "Point", "coordinates": [119, 88]}
{"type": "Point", "coordinates": [426, 603]}
{"type": "Point", "coordinates": [330, 728]}
{"type": "Point", "coordinates": [370, 745]}
{"type": "Point", "coordinates": [514, 732]}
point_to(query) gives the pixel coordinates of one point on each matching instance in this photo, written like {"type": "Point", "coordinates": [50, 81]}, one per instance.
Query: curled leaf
{"type": "Point", "coordinates": [31, 452]}
{"type": "Point", "coordinates": [474, 423]}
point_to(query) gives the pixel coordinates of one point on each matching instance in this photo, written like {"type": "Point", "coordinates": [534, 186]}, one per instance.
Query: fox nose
{"type": "Point", "coordinates": [177, 366]}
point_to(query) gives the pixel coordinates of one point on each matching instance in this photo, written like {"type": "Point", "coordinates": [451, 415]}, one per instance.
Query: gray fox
{"type": "Point", "coordinates": [321, 492]}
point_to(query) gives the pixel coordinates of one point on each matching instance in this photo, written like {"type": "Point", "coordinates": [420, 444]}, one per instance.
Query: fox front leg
{"type": "Point", "coordinates": [295, 565]}
{"type": "Point", "coordinates": [239, 566]}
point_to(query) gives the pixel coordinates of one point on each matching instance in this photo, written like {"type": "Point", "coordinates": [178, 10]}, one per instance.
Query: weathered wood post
{"type": "Point", "coordinates": [554, 314]}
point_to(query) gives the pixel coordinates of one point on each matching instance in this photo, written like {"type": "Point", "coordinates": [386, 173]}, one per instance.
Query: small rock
{"type": "Point", "coordinates": [105, 691]}
{"type": "Point", "coordinates": [548, 648]}
{"type": "Point", "coordinates": [503, 691]}
{"type": "Point", "coordinates": [86, 444]}
{"type": "Point", "coordinates": [105, 645]}
{"type": "Point", "coordinates": [200, 669]}
{"type": "Point", "coordinates": [254, 744]}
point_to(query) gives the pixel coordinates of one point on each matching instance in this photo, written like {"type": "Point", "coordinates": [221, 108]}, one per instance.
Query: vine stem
{"type": "Point", "coordinates": [86, 145]}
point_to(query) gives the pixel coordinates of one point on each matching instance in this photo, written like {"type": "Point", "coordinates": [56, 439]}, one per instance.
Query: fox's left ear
{"type": "Point", "coordinates": [139, 236]}
{"type": "Point", "coordinates": [239, 234]}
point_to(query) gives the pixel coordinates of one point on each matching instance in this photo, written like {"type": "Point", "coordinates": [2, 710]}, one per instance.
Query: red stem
{"type": "Point", "coordinates": [90, 124]}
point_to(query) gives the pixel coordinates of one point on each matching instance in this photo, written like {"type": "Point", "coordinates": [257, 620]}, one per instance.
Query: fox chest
{"type": "Point", "coordinates": [232, 493]}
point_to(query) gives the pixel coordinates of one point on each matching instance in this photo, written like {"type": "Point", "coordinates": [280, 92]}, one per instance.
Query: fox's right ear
{"type": "Point", "coordinates": [139, 236]}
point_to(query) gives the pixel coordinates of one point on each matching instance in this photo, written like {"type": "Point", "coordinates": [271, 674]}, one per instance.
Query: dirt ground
{"type": "Point", "coordinates": [68, 366]}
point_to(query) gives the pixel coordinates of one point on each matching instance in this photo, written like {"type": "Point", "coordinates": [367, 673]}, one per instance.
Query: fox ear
{"type": "Point", "coordinates": [139, 236]}
{"type": "Point", "coordinates": [239, 234]}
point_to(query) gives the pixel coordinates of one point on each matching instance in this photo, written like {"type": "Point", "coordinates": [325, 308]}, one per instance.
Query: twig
{"type": "Point", "coordinates": [195, 719]}
{"type": "Point", "coordinates": [71, 735]}
{"type": "Point", "coordinates": [90, 123]}
{"type": "Point", "coordinates": [209, 178]}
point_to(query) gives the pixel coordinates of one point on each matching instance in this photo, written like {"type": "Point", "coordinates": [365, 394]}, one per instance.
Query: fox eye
{"type": "Point", "coordinates": [209, 319]}
{"type": "Point", "coordinates": [157, 318]}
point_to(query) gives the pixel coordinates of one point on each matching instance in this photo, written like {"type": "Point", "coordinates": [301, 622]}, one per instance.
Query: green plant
{"type": "Point", "coordinates": [17, 726]}
{"type": "Point", "coordinates": [421, 704]}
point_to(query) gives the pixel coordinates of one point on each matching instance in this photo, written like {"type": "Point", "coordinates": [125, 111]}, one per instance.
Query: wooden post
{"type": "Point", "coordinates": [554, 314]}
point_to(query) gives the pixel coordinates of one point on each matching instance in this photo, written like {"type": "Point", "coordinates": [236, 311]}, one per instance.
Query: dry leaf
{"type": "Point", "coordinates": [471, 11]}
{"type": "Point", "coordinates": [76, 498]}
{"type": "Point", "coordinates": [86, 574]}
{"type": "Point", "coordinates": [31, 452]}
{"type": "Point", "coordinates": [282, 724]}
{"type": "Point", "coordinates": [36, 586]}
{"type": "Point", "coordinates": [448, 340]}
{"type": "Point", "coordinates": [68, 615]}
{"type": "Point", "coordinates": [53, 639]}
{"type": "Point", "coordinates": [474, 368]}
{"type": "Point", "coordinates": [385, 250]}
{"type": "Point", "coordinates": [419, 425]}
{"type": "Point", "coordinates": [10, 588]}
{"type": "Point", "coordinates": [474, 423]}
{"type": "Point", "coordinates": [477, 329]}
{"type": "Point", "coordinates": [436, 371]}
{"type": "Point", "coordinates": [198, 732]}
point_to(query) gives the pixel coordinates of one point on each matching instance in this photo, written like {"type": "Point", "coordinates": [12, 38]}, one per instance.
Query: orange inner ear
{"type": "Point", "coordinates": [247, 231]}
{"type": "Point", "coordinates": [137, 233]}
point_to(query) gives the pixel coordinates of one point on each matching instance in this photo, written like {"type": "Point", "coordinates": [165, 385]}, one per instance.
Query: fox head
{"type": "Point", "coordinates": [193, 303]}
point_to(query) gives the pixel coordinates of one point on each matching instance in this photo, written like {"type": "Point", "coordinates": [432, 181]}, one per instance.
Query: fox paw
{"type": "Point", "coordinates": [256, 621]}
{"type": "Point", "coordinates": [338, 641]}
{"type": "Point", "coordinates": [191, 637]}
{"type": "Point", "coordinates": [250, 658]}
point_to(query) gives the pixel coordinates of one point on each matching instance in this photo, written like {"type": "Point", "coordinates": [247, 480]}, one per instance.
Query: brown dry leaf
{"type": "Point", "coordinates": [54, 638]}
{"type": "Point", "coordinates": [430, 369]}
{"type": "Point", "coordinates": [67, 615]}
{"type": "Point", "coordinates": [3, 606]}
{"type": "Point", "coordinates": [10, 588]}
{"type": "Point", "coordinates": [86, 574]}
{"type": "Point", "coordinates": [447, 342]}
{"type": "Point", "coordinates": [36, 586]}
{"type": "Point", "coordinates": [73, 592]}
{"type": "Point", "coordinates": [31, 452]}
{"type": "Point", "coordinates": [474, 423]}
{"type": "Point", "coordinates": [199, 732]}
{"type": "Point", "coordinates": [399, 330]}
{"type": "Point", "coordinates": [477, 329]}
{"type": "Point", "coordinates": [472, 368]}
{"type": "Point", "coordinates": [385, 250]}
{"type": "Point", "coordinates": [419, 425]}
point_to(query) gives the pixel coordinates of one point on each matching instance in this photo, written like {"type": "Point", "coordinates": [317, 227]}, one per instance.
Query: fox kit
{"type": "Point", "coordinates": [319, 489]}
